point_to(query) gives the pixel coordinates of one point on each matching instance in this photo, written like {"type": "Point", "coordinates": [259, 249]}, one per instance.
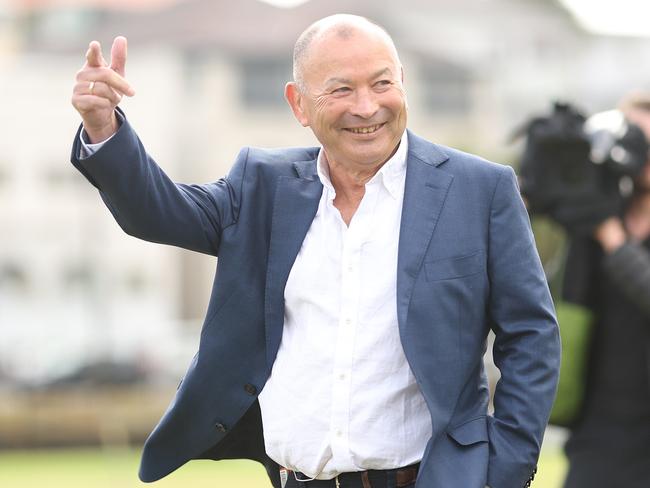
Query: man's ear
{"type": "Point", "coordinates": [295, 99]}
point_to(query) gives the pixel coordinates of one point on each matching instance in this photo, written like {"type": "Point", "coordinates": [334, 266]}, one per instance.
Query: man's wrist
{"type": "Point", "coordinates": [99, 135]}
{"type": "Point", "coordinates": [88, 148]}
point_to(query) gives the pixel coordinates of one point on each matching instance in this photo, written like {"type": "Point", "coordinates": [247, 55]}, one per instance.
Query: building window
{"type": "Point", "coordinates": [63, 24]}
{"type": "Point", "coordinates": [61, 177]}
{"type": "Point", "coordinates": [13, 277]}
{"type": "Point", "coordinates": [78, 277]}
{"type": "Point", "coordinates": [263, 80]}
{"type": "Point", "coordinates": [446, 87]}
{"type": "Point", "coordinates": [4, 177]}
{"type": "Point", "coordinates": [135, 281]}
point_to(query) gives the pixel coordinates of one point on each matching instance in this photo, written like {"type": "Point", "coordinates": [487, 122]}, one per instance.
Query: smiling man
{"type": "Point", "coordinates": [343, 344]}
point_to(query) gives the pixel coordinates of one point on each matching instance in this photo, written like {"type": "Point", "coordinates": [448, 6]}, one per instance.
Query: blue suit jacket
{"type": "Point", "coordinates": [467, 263]}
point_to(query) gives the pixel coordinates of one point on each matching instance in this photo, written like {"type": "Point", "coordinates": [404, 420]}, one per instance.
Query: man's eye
{"type": "Point", "coordinates": [382, 83]}
{"type": "Point", "coordinates": [341, 89]}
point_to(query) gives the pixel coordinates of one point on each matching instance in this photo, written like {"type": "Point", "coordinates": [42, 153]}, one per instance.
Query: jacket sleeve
{"type": "Point", "coordinates": [629, 269]}
{"type": "Point", "coordinates": [148, 205]}
{"type": "Point", "coordinates": [526, 347]}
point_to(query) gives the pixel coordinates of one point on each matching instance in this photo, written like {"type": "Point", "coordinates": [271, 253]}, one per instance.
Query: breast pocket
{"type": "Point", "coordinates": [454, 267]}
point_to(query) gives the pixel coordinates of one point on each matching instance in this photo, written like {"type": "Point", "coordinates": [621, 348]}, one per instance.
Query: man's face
{"type": "Point", "coordinates": [353, 99]}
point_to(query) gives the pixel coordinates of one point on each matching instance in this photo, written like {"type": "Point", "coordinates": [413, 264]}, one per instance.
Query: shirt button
{"type": "Point", "coordinates": [339, 433]}
{"type": "Point", "coordinates": [342, 376]}
{"type": "Point", "coordinates": [348, 321]}
{"type": "Point", "coordinates": [250, 389]}
{"type": "Point", "coordinates": [221, 428]}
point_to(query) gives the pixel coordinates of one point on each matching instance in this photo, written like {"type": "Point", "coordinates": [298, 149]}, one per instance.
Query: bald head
{"type": "Point", "coordinates": [343, 26]}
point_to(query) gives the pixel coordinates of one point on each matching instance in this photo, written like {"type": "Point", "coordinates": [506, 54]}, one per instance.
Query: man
{"type": "Point", "coordinates": [609, 272]}
{"type": "Point", "coordinates": [356, 286]}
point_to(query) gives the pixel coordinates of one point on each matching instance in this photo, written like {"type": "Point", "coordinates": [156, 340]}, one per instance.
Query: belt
{"type": "Point", "coordinates": [374, 478]}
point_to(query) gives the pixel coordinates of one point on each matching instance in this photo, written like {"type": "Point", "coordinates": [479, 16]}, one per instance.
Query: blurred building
{"type": "Point", "coordinates": [209, 76]}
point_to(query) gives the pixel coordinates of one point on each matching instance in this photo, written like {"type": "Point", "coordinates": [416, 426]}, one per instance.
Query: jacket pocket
{"type": "Point", "coordinates": [454, 267]}
{"type": "Point", "coordinates": [470, 432]}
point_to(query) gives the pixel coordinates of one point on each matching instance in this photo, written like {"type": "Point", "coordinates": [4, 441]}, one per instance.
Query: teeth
{"type": "Point", "coordinates": [365, 130]}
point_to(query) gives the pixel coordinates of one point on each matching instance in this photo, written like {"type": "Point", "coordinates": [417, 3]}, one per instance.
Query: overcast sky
{"type": "Point", "coordinates": [620, 17]}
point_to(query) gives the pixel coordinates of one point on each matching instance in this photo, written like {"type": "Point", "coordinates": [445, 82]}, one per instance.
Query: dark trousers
{"type": "Point", "coordinates": [608, 470]}
{"type": "Point", "coordinates": [609, 453]}
{"type": "Point", "coordinates": [390, 478]}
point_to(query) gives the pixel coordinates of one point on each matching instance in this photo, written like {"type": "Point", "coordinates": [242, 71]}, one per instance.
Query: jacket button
{"type": "Point", "coordinates": [221, 427]}
{"type": "Point", "coordinates": [250, 389]}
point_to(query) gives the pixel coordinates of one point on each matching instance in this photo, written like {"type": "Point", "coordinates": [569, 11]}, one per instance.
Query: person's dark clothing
{"type": "Point", "coordinates": [610, 444]}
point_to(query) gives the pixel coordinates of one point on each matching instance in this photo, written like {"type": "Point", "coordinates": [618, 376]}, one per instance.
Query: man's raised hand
{"type": "Point", "coordinates": [99, 88]}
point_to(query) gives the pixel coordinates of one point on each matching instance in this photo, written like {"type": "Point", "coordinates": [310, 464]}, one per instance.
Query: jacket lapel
{"type": "Point", "coordinates": [294, 208]}
{"type": "Point", "coordinates": [425, 192]}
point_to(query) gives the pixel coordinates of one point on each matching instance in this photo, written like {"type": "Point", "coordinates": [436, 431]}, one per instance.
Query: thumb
{"type": "Point", "coordinates": [94, 57]}
{"type": "Point", "coordinates": [118, 55]}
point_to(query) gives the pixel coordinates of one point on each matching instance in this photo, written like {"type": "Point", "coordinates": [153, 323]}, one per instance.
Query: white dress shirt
{"type": "Point", "coordinates": [341, 396]}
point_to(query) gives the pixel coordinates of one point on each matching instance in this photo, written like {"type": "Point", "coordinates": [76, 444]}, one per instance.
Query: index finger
{"type": "Point", "coordinates": [108, 76]}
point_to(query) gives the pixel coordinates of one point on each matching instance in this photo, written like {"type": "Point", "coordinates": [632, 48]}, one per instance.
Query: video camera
{"type": "Point", "coordinates": [579, 170]}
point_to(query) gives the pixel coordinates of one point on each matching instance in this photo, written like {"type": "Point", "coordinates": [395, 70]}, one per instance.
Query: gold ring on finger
{"type": "Point", "coordinates": [91, 86]}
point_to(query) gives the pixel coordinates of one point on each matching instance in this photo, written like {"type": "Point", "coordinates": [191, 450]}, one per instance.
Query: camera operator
{"type": "Point", "coordinates": [608, 270]}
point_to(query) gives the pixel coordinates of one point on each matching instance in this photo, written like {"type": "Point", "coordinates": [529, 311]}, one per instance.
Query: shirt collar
{"type": "Point", "coordinates": [391, 174]}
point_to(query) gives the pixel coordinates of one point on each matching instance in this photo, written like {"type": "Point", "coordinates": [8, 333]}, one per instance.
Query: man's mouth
{"type": "Point", "coordinates": [365, 130]}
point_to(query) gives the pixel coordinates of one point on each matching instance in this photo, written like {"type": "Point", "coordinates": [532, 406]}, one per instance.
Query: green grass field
{"type": "Point", "coordinates": [94, 468]}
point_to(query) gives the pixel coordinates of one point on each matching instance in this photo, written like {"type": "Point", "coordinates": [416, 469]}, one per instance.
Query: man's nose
{"type": "Point", "coordinates": [365, 104]}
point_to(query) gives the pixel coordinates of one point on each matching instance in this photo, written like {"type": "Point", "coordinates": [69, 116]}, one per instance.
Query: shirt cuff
{"type": "Point", "coordinates": [87, 149]}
